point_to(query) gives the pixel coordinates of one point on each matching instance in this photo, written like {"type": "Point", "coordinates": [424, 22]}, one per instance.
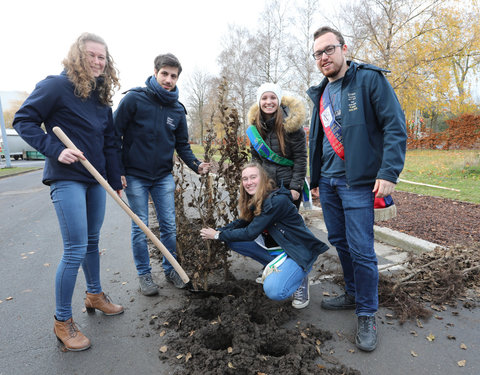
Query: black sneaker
{"type": "Point", "coordinates": [343, 302]}
{"type": "Point", "coordinates": [174, 278]}
{"type": "Point", "coordinates": [366, 338]}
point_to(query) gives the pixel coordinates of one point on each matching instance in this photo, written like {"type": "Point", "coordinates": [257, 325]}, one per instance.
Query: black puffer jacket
{"type": "Point", "coordinates": [295, 144]}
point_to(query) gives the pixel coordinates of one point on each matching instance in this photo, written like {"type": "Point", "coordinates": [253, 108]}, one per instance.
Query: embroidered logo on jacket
{"type": "Point", "coordinates": [352, 101]}
{"type": "Point", "coordinates": [170, 122]}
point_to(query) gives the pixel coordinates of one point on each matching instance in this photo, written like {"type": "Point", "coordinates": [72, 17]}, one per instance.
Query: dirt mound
{"type": "Point", "coordinates": [442, 221]}
{"type": "Point", "coordinates": [242, 332]}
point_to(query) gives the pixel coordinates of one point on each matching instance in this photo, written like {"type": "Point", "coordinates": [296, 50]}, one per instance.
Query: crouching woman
{"type": "Point", "coordinates": [267, 214]}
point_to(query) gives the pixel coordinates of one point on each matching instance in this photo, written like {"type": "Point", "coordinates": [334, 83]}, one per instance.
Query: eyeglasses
{"type": "Point", "coordinates": [330, 50]}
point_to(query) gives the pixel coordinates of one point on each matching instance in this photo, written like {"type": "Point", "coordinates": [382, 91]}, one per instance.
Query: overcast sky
{"type": "Point", "coordinates": [35, 35]}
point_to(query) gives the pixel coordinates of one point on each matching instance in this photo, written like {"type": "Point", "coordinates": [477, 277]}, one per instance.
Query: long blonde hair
{"type": "Point", "coordinates": [78, 71]}
{"type": "Point", "coordinates": [278, 126]}
{"type": "Point", "coordinates": [251, 205]}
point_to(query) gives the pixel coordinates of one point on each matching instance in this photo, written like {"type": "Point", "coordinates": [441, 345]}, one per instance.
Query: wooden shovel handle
{"type": "Point", "coordinates": [69, 144]}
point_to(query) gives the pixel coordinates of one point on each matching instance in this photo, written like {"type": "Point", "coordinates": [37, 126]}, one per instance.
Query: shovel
{"type": "Point", "coordinates": [68, 143]}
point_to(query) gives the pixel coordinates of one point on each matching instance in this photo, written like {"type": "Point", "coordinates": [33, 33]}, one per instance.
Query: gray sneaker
{"type": "Point", "coordinates": [174, 278]}
{"type": "Point", "coordinates": [301, 298]}
{"type": "Point", "coordinates": [147, 286]}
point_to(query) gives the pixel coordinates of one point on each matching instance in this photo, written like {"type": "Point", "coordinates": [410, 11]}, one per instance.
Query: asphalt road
{"type": "Point", "coordinates": [30, 249]}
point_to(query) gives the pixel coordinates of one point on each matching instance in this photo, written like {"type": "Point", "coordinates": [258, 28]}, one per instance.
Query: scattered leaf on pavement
{"type": "Point", "coordinates": [462, 363]}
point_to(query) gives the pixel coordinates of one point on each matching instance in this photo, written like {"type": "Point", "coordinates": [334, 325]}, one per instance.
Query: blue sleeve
{"type": "Point", "coordinates": [274, 213]}
{"type": "Point", "coordinates": [124, 115]}
{"type": "Point", "coordinates": [183, 147]}
{"type": "Point", "coordinates": [392, 122]}
{"type": "Point", "coordinates": [36, 109]}
{"type": "Point", "coordinates": [112, 156]}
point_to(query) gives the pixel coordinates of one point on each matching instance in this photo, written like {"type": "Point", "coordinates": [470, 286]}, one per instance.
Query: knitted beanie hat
{"type": "Point", "coordinates": [269, 87]}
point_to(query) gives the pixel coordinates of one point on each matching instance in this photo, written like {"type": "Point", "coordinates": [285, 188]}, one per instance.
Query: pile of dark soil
{"type": "Point", "coordinates": [242, 332]}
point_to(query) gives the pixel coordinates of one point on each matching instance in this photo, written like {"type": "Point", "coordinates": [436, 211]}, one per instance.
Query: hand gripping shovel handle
{"type": "Point", "coordinates": [68, 143]}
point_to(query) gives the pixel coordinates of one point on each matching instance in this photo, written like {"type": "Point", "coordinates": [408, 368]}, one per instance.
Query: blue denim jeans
{"type": "Point", "coordinates": [349, 216]}
{"type": "Point", "coordinates": [80, 209]}
{"type": "Point", "coordinates": [162, 193]}
{"type": "Point", "coordinates": [278, 285]}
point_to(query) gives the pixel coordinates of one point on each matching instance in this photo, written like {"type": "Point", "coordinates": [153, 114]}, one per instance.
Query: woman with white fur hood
{"type": "Point", "coordinates": [277, 138]}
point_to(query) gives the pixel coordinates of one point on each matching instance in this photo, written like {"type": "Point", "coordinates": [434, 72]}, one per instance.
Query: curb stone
{"type": "Point", "coordinates": [385, 235]}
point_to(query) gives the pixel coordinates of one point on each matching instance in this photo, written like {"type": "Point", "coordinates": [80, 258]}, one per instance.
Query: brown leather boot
{"type": "Point", "coordinates": [71, 337]}
{"type": "Point", "coordinates": [103, 303]}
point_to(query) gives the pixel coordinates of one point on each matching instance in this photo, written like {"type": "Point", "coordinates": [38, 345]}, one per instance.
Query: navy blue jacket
{"type": "Point", "coordinates": [88, 123]}
{"type": "Point", "coordinates": [373, 128]}
{"type": "Point", "coordinates": [281, 219]}
{"type": "Point", "coordinates": [151, 131]}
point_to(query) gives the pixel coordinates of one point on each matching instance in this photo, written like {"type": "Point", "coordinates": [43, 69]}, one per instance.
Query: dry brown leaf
{"type": "Point", "coordinates": [154, 317]}
{"type": "Point", "coordinates": [463, 346]}
{"type": "Point", "coordinates": [318, 349]}
{"type": "Point", "coordinates": [326, 294]}
{"type": "Point", "coordinates": [431, 337]}
{"type": "Point", "coordinates": [351, 350]}
{"type": "Point", "coordinates": [462, 363]}
{"type": "Point", "coordinates": [303, 335]}
{"type": "Point", "coordinates": [124, 282]}
{"type": "Point", "coordinates": [162, 333]}
{"type": "Point", "coordinates": [261, 373]}
{"type": "Point", "coordinates": [450, 337]}
{"type": "Point", "coordinates": [389, 316]}
{"type": "Point", "coordinates": [230, 365]}
{"type": "Point", "coordinates": [413, 353]}
{"type": "Point", "coordinates": [318, 342]}
{"type": "Point", "coordinates": [419, 324]}
{"type": "Point", "coordinates": [180, 356]}
{"type": "Point", "coordinates": [229, 350]}
{"type": "Point", "coordinates": [8, 298]}
{"type": "Point", "coordinates": [188, 356]}
{"type": "Point", "coordinates": [414, 333]}
{"type": "Point", "coordinates": [321, 366]}
{"type": "Point", "coordinates": [163, 349]}
{"type": "Point", "coordinates": [46, 264]}
{"type": "Point", "coordinates": [191, 333]}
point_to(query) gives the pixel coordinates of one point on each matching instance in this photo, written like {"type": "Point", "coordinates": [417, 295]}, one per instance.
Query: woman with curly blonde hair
{"type": "Point", "coordinates": [78, 100]}
{"type": "Point", "coordinates": [272, 232]}
{"type": "Point", "coordinates": [78, 70]}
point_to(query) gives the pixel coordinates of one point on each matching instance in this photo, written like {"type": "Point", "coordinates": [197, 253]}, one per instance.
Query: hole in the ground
{"type": "Point", "coordinates": [274, 349]}
{"type": "Point", "coordinates": [219, 340]}
{"type": "Point", "coordinates": [256, 317]}
{"type": "Point", "coordinates": [206, 312]}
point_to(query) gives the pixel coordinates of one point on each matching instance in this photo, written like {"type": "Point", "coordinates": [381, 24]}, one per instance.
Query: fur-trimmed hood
{"type": "Point", "coordinates": [295, 109]}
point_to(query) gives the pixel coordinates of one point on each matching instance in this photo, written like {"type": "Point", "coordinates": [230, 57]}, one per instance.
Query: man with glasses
{"type": "Point", "coordinates": [357, 151]}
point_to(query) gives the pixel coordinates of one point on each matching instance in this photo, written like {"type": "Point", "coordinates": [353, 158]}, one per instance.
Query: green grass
{"type": "Point", "coordinates": [15, 170]}
{"type": "Point", "coordinates": [456, 169]}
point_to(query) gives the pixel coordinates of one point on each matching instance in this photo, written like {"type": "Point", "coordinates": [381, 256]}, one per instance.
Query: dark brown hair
{"type": "Point", "coordinates": [327, 29]}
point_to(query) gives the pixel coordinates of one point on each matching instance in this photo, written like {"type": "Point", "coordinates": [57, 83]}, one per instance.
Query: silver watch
{"type": "Point", "coordinates": [216, 236]}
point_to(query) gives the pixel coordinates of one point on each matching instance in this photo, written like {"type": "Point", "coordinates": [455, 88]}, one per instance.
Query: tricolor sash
{"type": "Point", "coordinates": [332, 129]}
{"type": "Point", "coordinates": [264, 150]}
